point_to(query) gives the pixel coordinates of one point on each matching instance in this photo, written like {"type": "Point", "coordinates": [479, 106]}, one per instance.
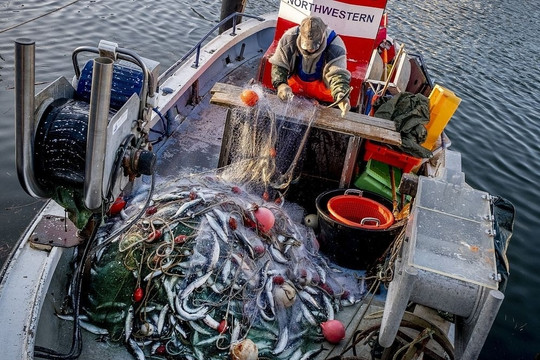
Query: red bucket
{"type": "Point", "coordinates": [361, 212]}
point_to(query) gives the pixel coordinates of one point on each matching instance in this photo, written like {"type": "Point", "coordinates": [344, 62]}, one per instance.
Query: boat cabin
{"type": "Point", "coordinates": [357, 22]}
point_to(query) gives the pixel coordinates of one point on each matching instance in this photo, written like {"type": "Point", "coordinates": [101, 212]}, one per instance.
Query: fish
{"type": "Point", "coordinates": [208, 320]}
{"type": "Point", "coordinates": [128, 327]}
{"type": "Point", "coordinates": [278, 256]}
{"type": "Point", "coordinates": [168, 284]}
{"type": "Point", "coordinates": [215, 226]}
{"type": "Point", "coordinates": [282, 341]}
{"type": "Point", "coordinates": [312, 353]}
{"type": "Point", "coordinates": [198, 328]}
{"type": "Point", "coordinates": [215, 254]}
{"type": "Point", "coordinates": [177, 327]}
{"type": "Point", "coordinates": [270, 296]}
{"type": "Point", "coordinates": [222, 220]}
{"type": "Point", "coordinates": [195, 285]}
{"type": "Point", "coordinates": [185, 207]}
{"type": "Point", "coordinates": [308, 315]}
{"type": "Point", "coordinates": [235, 334]}
{"type": "Point", "coordinates": [328, 307]}
{"type": "Point", "coordinates": [136, 350]}
{"type": "Point", "coordinates": [210, 340]}
{"type": "Point", "coordinates": [152, 275]}
{"type": "Point", "coordinates": [71, 317]}
{"type": "Point", "coordinates": [253, 244]}
{"type": "Point", "coordinates": [309, 299]}
{"type": "Point", "coordinates": [93, 328]}
{"type": "Point", "coordinates": [196, 314]}
{"type": "Point", "coordinates": [161, 319]}
{"type": "Point", "coordinates": [170, 197]}
{"type": "Point", "coordinates": [224, 257]}
{"type": "Point", "coordinates": [226, 270]}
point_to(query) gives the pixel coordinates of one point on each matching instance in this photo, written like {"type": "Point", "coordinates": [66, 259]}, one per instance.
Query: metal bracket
{"type": "Point", "coordinates": [108, 49]}
{"type": "Point", "coordinates": [55, 231]}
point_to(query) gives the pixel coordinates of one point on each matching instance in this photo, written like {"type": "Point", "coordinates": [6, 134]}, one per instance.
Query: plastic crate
{"type": "Point", "coordinates": [442, 105]}
{"type": "Point", "coordinates": [391, 157]}
{"type": "Point", "coordinates": [376, 178]}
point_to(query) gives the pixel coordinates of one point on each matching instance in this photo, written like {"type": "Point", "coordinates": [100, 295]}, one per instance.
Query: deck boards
{"type": "Point", "coordinates": [354, 124]}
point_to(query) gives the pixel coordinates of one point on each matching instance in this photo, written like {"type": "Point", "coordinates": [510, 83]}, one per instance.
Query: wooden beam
{"type": "Point", "coordinates": [354, 124]}
{"type": "Point", "coordinates": [350, 162]}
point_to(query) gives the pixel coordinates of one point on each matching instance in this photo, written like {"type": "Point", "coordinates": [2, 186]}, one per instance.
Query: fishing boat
{"type": "Point", "coordinates": [194, 215]}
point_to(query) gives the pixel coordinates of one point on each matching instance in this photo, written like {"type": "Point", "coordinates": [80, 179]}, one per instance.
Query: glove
{"type": "Point", "coordinates": [344, 104]}
{"type": "Point", "coordinates": [284, 92]}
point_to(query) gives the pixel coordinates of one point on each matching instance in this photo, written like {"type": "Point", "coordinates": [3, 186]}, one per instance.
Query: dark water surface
{"type": "Point", "coordinates": [485, 51]}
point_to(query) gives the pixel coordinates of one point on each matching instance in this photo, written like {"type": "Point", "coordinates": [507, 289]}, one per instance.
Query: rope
{"type": "Point", "coordinates": [37, 17]}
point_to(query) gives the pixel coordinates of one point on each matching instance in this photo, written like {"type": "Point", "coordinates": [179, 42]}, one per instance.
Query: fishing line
{"type": "Point", "coordinates": [37, 17]}
{"type": "Point", "coordinates": [76, 345]}
{"type": "Point", "coordinates": [113, 236]}
{"type": "Point", "coordinates": [287, 178]}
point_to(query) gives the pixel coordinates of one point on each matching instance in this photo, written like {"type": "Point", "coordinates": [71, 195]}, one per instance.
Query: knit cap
{"type": "Point", "coordinates": [312, 30]}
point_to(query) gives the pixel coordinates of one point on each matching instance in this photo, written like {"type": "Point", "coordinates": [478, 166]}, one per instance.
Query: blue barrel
{"type": "Point", "coordinates": [126, 81]}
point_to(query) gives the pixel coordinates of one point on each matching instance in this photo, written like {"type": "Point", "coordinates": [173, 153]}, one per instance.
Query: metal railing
{"type": "Point", "coordinates": [198, 46]}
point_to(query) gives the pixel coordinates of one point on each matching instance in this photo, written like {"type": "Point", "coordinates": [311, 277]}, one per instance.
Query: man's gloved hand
{"type": "Point", "coordinates": [344, 104]}
{"type": "Point", "coordinates": [284, 92]}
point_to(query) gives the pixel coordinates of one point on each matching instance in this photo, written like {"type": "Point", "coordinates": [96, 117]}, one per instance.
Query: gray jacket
{"type": "Point", "coordinates": [335, 75]}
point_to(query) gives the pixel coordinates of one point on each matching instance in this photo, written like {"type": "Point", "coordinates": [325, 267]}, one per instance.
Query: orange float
{"type": "Point", "coordinates": [249, 97]}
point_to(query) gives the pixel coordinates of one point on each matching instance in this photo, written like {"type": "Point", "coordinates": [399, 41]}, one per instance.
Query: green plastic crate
{"type": "Point", "coordinates": [376, 178]}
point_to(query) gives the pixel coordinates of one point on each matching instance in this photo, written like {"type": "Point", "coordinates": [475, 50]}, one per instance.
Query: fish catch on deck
{"type": "Point", "coordinates": [211, 276]}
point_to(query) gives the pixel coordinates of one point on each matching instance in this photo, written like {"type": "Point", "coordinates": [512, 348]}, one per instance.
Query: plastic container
{"type": "Point", "coordinates": [391, 157]}
{"type": "Point", "coordinates": [127, 80]}
{"type": "Point", "coordinates": [349, 246]}
{"type": "Point", "coordinates": [442, 105]}
{"type": "Point", "coordinates": [361, 212]}
{"type": "Point", "coordinates": [376, 178]}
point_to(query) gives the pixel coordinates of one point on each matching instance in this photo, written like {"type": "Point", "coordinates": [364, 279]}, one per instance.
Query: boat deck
{"type": "Point", "coordinates": [194, 147]}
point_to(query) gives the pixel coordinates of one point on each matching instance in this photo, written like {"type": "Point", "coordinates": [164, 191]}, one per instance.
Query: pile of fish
{"type": "Point", "coordinates": [210, 271]}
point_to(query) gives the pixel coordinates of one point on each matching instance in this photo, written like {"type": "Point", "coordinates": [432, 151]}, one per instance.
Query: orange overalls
{"type": "Point", "coordinates": [311, 85]}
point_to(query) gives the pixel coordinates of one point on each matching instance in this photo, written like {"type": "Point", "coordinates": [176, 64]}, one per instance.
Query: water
{"type": "Point", "coordinates": [484, 51]}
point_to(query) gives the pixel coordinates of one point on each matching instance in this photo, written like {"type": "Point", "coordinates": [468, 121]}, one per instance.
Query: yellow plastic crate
{"type": "Point", "coordinates": [442, 105]}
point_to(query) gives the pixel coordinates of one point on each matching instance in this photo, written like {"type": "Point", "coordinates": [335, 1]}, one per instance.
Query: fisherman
{"type": "Point", "coordinates": [311, 60]}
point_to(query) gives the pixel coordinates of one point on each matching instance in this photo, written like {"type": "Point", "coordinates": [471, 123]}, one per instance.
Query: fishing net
{"type": "Point", "coordinates": [266, 151]}
{"type": "Point", "coordinates": [215, 260]}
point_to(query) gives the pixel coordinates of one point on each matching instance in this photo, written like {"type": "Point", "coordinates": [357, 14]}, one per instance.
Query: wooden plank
{"type": "Point", "coordinates": [354, 124]}
{"type": "Point", "coordinates": [354, 318]}
{"type": "Point", "coordinates": [226, 142]}
{"type": "Point", "coordinates": [350, 162]}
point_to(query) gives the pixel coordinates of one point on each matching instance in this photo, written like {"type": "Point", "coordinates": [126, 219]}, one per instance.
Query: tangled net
{"type": "Point", "coordinates": [265, 151]}
{"type": "Point", "coordinates": [213, 268]}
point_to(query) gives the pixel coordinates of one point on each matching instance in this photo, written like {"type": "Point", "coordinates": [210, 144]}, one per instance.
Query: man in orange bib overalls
{"type": "Point", "coordinates": [311, 60]}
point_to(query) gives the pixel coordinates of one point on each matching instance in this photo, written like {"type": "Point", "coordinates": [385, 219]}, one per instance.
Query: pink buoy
{"type": "Point", "coordinates": [333, 331]}
{"type": "Point", "coordinates": [265, 219]}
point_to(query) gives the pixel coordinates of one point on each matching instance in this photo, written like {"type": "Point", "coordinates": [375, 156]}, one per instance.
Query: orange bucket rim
{"type": "Point", "coordinates": [383, 210]}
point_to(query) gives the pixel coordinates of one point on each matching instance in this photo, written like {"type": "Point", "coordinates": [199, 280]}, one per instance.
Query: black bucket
{"type": "Point", "coordinates": [348, 246]}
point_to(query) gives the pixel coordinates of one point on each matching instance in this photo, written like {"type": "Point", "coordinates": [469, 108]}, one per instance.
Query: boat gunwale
{"type": "Point", "coordinates": [185, 75]}
{"type": "Point", "coordinates": [32, 285]}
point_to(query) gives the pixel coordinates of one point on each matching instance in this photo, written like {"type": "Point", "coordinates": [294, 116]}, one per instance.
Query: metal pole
{"type": "Point", "coordinates": [229, 7]}
{"type": "Point", "coordinates": [25, 74]}
{"type": "Point", "coordinates": [98, 116]}
{"type": "Point", "coordinates": [480, 330]}
{"type": "Point", "coordinates": [397, 298]}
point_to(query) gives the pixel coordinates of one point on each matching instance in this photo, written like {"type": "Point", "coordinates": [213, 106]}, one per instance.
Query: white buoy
{"type": "Point", "coordinates": [312, 221]}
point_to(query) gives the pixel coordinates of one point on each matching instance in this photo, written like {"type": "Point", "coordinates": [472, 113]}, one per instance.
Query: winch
{"type": "Point", "coordinates": [82, 143]}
